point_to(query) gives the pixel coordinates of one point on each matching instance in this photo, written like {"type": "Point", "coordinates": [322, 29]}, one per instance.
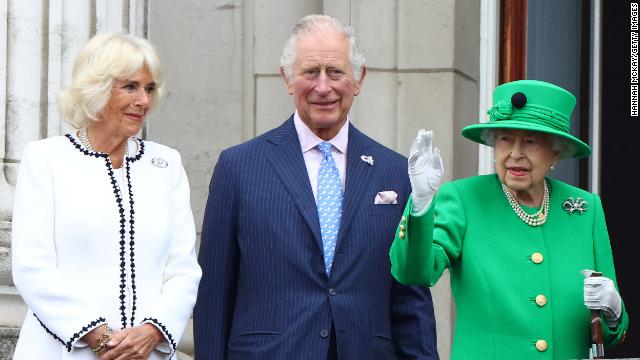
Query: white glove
{"type": "Point", "coordinates": [601, 294]}
{"type": "Point", "coordinates": [425, 171]}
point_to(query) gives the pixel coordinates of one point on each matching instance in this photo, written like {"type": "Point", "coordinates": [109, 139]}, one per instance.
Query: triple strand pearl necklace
{"type": "Point", "coordinates": [536, 219]}
{"type": "Point", "coordinates": [84, 139]}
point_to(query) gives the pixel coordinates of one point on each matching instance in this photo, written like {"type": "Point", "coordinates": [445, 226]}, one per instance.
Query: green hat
{"type": "Point", "coordinates": [531, 105]}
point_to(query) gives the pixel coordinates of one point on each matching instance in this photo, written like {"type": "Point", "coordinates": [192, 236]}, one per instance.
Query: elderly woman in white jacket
{"type": "Point", "coordinates": [103, 235]}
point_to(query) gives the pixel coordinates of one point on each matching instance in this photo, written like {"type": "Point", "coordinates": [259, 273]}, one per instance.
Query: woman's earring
{"type": "Point", "coordinates": [552, 168]}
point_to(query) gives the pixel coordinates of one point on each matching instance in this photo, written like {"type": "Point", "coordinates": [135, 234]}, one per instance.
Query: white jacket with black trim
{"type": "Point", "coordinates": [91, 245]}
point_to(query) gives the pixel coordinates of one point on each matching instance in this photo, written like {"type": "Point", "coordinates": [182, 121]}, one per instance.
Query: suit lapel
{"type": "Point", "coordinates": [288, 163]}
{"type": "Point", "coordinates": [359, 173]}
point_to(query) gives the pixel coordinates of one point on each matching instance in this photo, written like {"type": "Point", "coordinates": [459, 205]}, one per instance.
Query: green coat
{"type": "Point", "coordinates": [494, 278]}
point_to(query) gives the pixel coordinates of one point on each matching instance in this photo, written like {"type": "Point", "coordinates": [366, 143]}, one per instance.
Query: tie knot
{"type": "Point", "coordinates": [325, 148]}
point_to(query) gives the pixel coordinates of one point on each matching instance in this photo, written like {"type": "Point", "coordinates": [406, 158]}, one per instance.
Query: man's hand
{"type": "Point", "coordinates": [135, 343]}
{"type": "Point", "coordinates": [425, 171]}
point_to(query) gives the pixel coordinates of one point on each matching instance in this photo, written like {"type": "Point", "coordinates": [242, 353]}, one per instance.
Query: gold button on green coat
{"type": "Point", "coordinates": [471, 230]}
{"type": "Point", "coordinates": [541, 345]}
{"type": "Point", "coordinates": [537, 258]}
{"type": "Point", "coordinates": [541, 300]}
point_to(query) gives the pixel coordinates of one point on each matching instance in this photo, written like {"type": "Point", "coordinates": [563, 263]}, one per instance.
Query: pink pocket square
{"type": "Point", "coordinates": [386, 197]}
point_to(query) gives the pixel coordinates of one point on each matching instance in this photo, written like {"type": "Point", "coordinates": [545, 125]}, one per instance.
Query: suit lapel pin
{"type": "Point", "coordinates": [367, 158]}
{"type": "Point", "coordinates": [578, 204]}
{"type": "Point", "coordinates": [159, 162]}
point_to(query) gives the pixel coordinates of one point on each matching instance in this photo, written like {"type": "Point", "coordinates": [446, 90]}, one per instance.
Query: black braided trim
{"type": "Point", "coordinates": [75, 336]}
{"type": "Point", "coordinates": [99, 154]}
{"type": "Point", "coordinates": [83, 150]}
{"type": "Point", "coordinates": [128, 162]}
{"type": "Point", "coordinates": [140, 151]}
{"type": "Point", "coordinates": [122, 242]}
{"type": "Point", "coordinates": [132, 237]}
{"type": "Point", "coordinates": [164, 330]}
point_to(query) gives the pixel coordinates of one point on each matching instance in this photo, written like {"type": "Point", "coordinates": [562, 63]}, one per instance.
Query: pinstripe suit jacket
{"type": "Point", "coordinates": [264, 292]}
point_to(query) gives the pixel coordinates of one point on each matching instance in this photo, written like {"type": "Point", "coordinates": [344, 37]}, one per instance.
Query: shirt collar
{"type": "Point", "coordinates": [308, 139]}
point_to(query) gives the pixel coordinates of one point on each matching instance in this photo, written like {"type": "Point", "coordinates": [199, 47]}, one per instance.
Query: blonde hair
{"type": "Point", "coordinates": [106, 57]}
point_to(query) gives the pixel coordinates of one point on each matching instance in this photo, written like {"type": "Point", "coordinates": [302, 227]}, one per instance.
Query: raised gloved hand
{"type": "Point", "coordinates": [601, 294]}
{"type": "Point", "coordinates": [425, 171]}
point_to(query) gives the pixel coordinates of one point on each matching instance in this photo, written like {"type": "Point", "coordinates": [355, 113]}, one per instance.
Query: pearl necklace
{"type": "Point", "coordinates": [536, 219]}
{"type": "Point", "coordinates": [84, 139]}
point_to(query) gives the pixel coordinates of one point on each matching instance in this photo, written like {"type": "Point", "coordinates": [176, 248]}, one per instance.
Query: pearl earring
{"type": "Point", "coordinates": [552, 167]}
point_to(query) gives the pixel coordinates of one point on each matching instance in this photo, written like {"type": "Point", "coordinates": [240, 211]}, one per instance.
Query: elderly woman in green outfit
{"type": "Point", "coordinates": [516, 242]}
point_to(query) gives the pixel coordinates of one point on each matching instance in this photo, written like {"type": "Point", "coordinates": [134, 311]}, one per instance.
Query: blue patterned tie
{"type": "Point", "coordinates": [329, 202]}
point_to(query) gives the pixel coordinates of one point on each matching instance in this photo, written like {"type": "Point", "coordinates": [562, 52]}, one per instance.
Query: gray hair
{"type": "Point", "coordinates": [565, 148]}
{"type": "Point", "coordinates": [315, 23]}
{"type": "Point", "coordinates": [103, 59]}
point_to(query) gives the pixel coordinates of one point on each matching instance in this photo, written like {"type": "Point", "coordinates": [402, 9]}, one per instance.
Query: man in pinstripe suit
{"type": "Point", "coordinates": [277, 285]}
